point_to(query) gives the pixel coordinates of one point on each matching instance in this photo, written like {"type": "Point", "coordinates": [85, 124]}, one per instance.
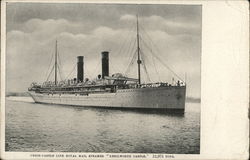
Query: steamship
{"type": "Point", "coordinates": [115, 91]}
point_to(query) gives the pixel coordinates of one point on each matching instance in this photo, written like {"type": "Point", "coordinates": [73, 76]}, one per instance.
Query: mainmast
{"type": "Point", "coordinates": [138, 51]}
{"type": "Point", "coordinates": [56, 64]}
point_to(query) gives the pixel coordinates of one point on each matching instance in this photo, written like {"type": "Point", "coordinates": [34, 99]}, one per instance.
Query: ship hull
{"type": "Point", "coordinates": [168, 98]}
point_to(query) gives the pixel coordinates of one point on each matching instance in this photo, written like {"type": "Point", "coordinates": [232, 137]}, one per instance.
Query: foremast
{"type": "Point", "coordinates": [138, 51]}
{"type": "Point", "coordinates": [56, 64]}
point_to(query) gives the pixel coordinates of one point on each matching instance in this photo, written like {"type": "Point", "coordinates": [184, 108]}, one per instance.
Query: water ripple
{"type": "Point", "coordinates": [54, 128]}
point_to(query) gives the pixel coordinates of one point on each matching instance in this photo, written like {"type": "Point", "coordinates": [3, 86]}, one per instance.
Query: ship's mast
{"type": "Point", "coordinates": [138, 51]}
{"type": "Point", "coordinates": [56, 64]}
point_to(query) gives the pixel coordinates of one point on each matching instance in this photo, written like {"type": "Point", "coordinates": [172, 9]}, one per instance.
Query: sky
{"type": "Point", "coordinates": [170, 40]}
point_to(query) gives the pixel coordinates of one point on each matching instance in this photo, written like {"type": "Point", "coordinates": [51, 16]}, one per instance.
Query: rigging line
{"type": "Point", "coordinates": [130, 44]}
{"type": "Point", "coordinates": [155, 68]}
{"type": "Point", "coordinates": [88, 73]}
{"type": "Point", "coordinates": [144, 66]}
{"type": "Point", "coordinates": [58, 55]}
{"type": "Point", "coordinates": [112, 68]}
{"type": "Point", "coordinates": [153, 58]}
{"type": "Point", "coordinates": [119, 69]}
{"type": "Point", "coordinates": [131, 49]}
{"type": "Point", "coordinates": [52, 69]}
{"type": "Point", "coordinates": [125, 41]}
{"type": "Point", "coordinates": [129, 67]}
{"type": "Point", "coordinates": [162, 61]}
{"type": "Point", "coordinates": [49, 65]}
{"type": "Point", "coordinates": [96, 68]}
{"type": "Point", "coordinates": [149, 47]}
{"type": "Point", "coordinates": [149, 38]}
{"type": "Point", "coordinates": [131, 63]}
{"type": "Point", "coordinates": [127, 50]}
{"type": "Point", "coordinates": [59, 65]}
{"type": "Point", "coordinates": [159, 52]}
{"type": "Point", "coordinates": [60, 74]}
{"type": "Point", "coordinates": [127, 47]}
{"type": "Point", "coordinates": [70, 72]}
{"type": "Point", "coordinates": [131, 55]}
{"type": "Point", "coordinates": [131, 35]}
{"type": "Point", "coordinates": [60, 69]}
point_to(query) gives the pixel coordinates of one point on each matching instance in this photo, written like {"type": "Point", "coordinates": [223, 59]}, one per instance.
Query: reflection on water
{"type": "Point", "coordinates": [178, 113]}
{"type": "Point", "coordinates": [38, 127]}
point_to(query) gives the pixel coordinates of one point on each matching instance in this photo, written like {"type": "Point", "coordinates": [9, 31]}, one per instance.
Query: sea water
{"type": "Point", "coordinates": [32, 127]}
